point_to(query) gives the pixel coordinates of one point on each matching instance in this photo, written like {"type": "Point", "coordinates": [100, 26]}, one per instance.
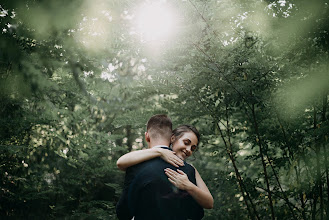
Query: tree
{"type": "Point", "coordinates": [78, 85]}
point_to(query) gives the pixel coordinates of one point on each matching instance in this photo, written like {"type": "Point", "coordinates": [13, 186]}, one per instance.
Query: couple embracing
{"type": "Point", "coordinates": [159, 184]}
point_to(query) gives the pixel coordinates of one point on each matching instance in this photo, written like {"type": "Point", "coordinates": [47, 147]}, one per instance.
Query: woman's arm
{"type": "Point", "coordinates": [136, 157]}
{"type": "Point", "coordinates": [200, 193]}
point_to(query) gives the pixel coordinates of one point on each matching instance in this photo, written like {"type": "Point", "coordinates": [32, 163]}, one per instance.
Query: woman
{"type": "Point", "coordinates": [184, 141]}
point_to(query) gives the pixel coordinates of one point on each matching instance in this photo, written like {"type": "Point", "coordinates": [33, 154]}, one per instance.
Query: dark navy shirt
{"type": "Point", "coordinates": [148, 194]}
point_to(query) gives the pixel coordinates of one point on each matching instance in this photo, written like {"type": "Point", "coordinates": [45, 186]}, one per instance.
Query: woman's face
{"type": "Point", "coordinates": [184, 145]}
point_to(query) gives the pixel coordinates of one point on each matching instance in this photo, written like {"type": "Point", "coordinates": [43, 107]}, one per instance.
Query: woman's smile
{"type": "Point", "coordinates": [184, 145]}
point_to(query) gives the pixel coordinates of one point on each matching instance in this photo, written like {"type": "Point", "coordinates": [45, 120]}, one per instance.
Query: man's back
{"type": "Point", "coordinates": [151, 196]}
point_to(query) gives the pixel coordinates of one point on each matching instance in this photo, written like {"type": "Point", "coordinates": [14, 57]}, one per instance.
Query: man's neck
{"type": "Point", "coordinates": [156, 143]}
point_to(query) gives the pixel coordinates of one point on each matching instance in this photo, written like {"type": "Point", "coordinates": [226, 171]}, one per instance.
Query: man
{"type": "Point", "coordinates": [147, 192]}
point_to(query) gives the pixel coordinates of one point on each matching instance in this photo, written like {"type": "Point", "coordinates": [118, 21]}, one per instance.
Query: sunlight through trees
{"type": "Point", "coordinates": [80, 78]}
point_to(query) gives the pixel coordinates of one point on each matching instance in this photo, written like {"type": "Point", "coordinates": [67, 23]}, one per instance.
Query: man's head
{"type": "Point", "coordinates": [159, 127]}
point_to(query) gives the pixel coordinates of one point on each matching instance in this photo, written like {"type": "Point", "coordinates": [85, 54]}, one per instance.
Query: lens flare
{"type": "Point", "coordinates": [155, 21]}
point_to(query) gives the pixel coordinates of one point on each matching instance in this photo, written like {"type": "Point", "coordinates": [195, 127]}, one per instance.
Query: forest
{"type": "Point", "coordinates": [79, 79]}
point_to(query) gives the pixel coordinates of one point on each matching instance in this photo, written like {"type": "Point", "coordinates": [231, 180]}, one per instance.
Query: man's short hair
{"type": "Point", "coordinates": [159, 126]}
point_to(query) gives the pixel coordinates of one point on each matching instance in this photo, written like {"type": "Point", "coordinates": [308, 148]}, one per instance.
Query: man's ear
{"type": "Point", "coordinates": [147, 137]}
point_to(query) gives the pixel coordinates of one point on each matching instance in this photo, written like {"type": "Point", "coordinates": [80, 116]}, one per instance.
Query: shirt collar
{"type": "Point", "coordinates": [161, 146]}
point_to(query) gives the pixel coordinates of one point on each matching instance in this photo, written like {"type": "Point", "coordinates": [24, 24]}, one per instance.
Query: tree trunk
{"type": "Point", "coordinates": [324, 106]}
{"type": "Point", "coordinates": [319, 190]}
{"type": "Point", "coordinates": [319, 181]}
{"type": "Point", "coordinates": [324, 112]}
{"type": "Point", "coordinates": [315, 198]}
{"type": "Point", "coordinates": [327, 178]}
{"type": "Point", "coordinates": [301, 195]}
{"type": "Point", "coordinates": [243, 190]}
{"type": "Point", "coordinates": [291, 156]}
{"type": "Point", "coordinates": [283, 193]}
{"type": "Point", "coordinates": [263, 162]}
{"type": "Point", "coordinates": [129, 138]}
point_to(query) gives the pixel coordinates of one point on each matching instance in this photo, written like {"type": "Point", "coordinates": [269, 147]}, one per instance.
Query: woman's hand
{"type": "Point", "coordinates": [199, 192]}
{"type": "Point", "coordinates": [170, 157]}
{"type": "Point", "coordinates": [178, 179]}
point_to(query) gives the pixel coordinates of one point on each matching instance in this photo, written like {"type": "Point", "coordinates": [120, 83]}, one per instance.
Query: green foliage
{"type": "Point", "coordinates": [78, 85]}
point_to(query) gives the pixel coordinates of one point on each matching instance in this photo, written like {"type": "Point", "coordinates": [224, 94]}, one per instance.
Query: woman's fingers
{"type": "Point", "coordinates": [180, 162]}
{"type": "Point", "coordinates": [173, 182]}
{"type": "Point", "coordinates": [173, 156]}
{"type": "Point", "coordinates": [180, 171]}
{"type": "Point", "coordinates": [171, 176]}
{"type": "Point", "coordinates": [179, 178]}
{"type": "Point", "coordinates": [173, 162]}
{"type": "Point", "coordinates": [170, 180]}
{"type": "Point", "coordinates": [170, 157]}
{"type": "Point", "coordinates": [170, 172]}
{"type": "Point", "coordinates": [173, 171]}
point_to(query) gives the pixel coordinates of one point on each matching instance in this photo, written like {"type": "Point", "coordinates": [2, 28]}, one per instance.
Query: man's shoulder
{"type": "Point", "coordinates": [160, 163]}
{"type": "Point", "coordinates": [147, 163]}
{"type": "Point", "coordinates": [148, 166]}
{"type": "Point", "coordinates": [189, 165]}
{"type": "Point", "coordinates": [153, 166]}
{"type": "Point", "coordinates": [187, 168]}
